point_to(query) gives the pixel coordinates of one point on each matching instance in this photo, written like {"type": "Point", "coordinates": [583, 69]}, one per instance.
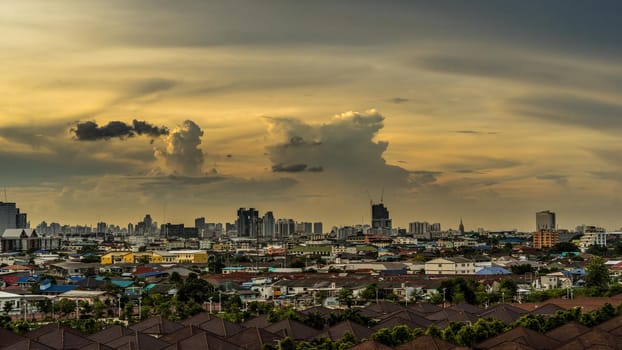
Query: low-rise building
{"type": "Point", "coordinates": [450, 266]}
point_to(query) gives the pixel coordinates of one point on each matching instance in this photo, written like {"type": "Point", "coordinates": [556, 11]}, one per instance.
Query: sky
{"type": "Point", "coordinates": [487, 111]}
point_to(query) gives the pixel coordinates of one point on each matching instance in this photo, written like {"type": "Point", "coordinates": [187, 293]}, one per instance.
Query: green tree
{"type": "Point", "coordinates": [7, 307]}
{"type": "Point", "coordinates": [564, 247]}
{"type": "Point", "coordinates": [521, 269]}
{"type": "Point", "coordinates": [533, 322]}
{"type": "Point", "coordinates": [597, 274]}
{"type": "Point", "coordinates": [345, 297]}
{"type": "Point", "coordinates": [457, 290]}
{"type": "Point", "coordinates": [369, 293]}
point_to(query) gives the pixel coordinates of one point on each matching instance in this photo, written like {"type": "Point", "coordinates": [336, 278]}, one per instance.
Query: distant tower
{"type": "Point", "coordinates": [461, 227]}
{"type": "Point", "coordinates": [268, 225]}
{"type": "Point", "coordinates": [247, 224]}
{"type": "Point", "coordinates": [545, 221]}
{"type": "Point", "coordinates": [380, 220]}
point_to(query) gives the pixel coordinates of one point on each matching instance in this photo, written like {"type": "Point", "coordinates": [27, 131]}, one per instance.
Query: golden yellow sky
{"type": "Point", "coordinates": [489, 111]}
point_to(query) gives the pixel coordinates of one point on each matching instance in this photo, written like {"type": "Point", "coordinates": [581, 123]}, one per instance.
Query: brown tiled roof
{"type": "Point", "coordinates": [384, 307]}
{"type": "Point", "coordinates": [340, 329]}
{"type": "Point", "coordinates": [111, 333]}
{"type": "Point", "coordinates": [370, 345]}
{"type": "Point", "coordinates": [419, 320]}
{"type": "Point", "coordinates": [8, 338]}
{"type": "Point", "coordinates": [254, 338]}
{"type": "Point", "coordinates": [505, 313]}
{"type": "Point", "coordinates": [546, 309]}
{"type": "Point", "coordinates": [204, 341]}
{"type": "Point", "coordinates": [521, 335]}
{"type": "Point", "coordinates": [426, 342]}
{"type": "Point", "coordinates": [27, 344]}
{"type": "Point", "coordinates": [181, 334]}
{"type": "Point", "coordinates": [61, 337]}
{"type": "Point", "coordinates": [451, 315]}
{"type": "Point", "coordinates": [512, 345]}
{"type": "Point", "coordinates": [472, 309]}
{"type": "Point", "coordinates": [567, 332]}
{"type": "Point", "coordinates": [395, 321]}
{"type": "Point", "coordinates": [221, 327]}
{"type": "Point", "coordinates": [324, 311]}
{"type": "Point", "coordinates": [197, 319]}
{"type": "Point", "coordinates": [293, 329]}
{"type": "Point", "coordinates": [260, 321]}
{"type": "Point", "coordinates": [156, 325]}
{"type": "Point", "coordinates": [587, 304]}
{"type": "Point", "coordinates": [593, 339]}
{"type": "Point", "coordinates": [425, 308]}
{"type": "Point", "coordinates": [137, 341]}
{"type": "Point", "coordinates": [613, 326]}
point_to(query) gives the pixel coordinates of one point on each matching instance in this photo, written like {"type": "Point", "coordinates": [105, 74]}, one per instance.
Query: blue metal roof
{"type": "Point", "coordinates": [151, 274]}
{"type": "Point", "coordinates": [494, 270]}
{"type": "Point", "coordinates": [59, 288]}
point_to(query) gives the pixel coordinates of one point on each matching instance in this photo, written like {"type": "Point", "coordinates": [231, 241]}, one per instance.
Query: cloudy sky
{"type": "Point", "coordinates": [485, 110]}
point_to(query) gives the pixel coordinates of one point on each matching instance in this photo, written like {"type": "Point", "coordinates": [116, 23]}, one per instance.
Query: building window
{"type": "Point", "coordinates": [440, 265]}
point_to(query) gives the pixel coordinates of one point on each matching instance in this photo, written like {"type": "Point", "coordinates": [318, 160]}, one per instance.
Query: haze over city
{"type": "Point", "coordinates": [482, 110]}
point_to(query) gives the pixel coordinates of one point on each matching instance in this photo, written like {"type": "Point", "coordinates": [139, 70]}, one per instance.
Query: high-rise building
{"type": "Point", "coordinates": [10, 217]}
{"type": "Point", "coordinates": [149, 229]}
{"type": "Point", "coordinates": [285, 228]}
{"type": "Point", "coordinates": [247, 224]}
{"type": "Point", "coordinates": [268, 225]}
{"type": "Point", "coordinates": [102, 227]}
{"type": "Point", "coordinates": [418, 228]}
{"type": "Point", "coordinates": [461, 227]}
{"type": "Point", "coordinates": [318, 228]}
{"type": "Point", "coordinates": [380, 220]}
{"type": "Point", "coordinates": [199, 224]}
{"type": "Point", "coordinates": [545, 220]}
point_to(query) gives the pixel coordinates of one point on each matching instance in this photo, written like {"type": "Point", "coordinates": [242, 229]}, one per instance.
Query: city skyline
{"type": "Point", "coordinates": [483, 110]}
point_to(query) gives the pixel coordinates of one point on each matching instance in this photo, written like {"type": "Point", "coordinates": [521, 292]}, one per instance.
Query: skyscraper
{"type": "Point", "coordinates": [380, 221]}
{"type": "Point", "coordinates": [268, 224]}
{"type": "Point", "coordinates": [10, 217]}
{"type": "Point", "coordinates": [545, 221]}
{"type": "Point", "coordinates": [461, 227]}
{"type": "Point", "coordinates": [247, 223]}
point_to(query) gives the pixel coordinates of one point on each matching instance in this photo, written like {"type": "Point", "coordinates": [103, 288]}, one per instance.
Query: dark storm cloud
{"type": "Point", "coordinates": [560, 179]}
{"type": "Point", "coordinates": [296, 168]}
{"type": "Point", "coordinates": [208, 186]}
{"type": "Point", "coordinates": [475, 132]}
{"type": "Point", "coordinates": [424, 177]}
{"type": "Point", "coordinates": [476, 164]}
{"type": "Point", "coordinates": [291, 168]}
{"type": "Point", "coordinates": [569, 26]}
{"type": "Point", "coordinates": [571, 110]}
{"type": "Point", "coordinates": [517, 68]}
{"type": "Point", "coordinates": [149, 86]}
{"type": "Point", "coordinates": [91, 131]}
{"type": "Point", "coordinates": [398, 100]}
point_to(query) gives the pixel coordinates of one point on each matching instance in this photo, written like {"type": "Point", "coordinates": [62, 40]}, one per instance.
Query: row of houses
{"type": "Point", "coordinates": [156, 257]}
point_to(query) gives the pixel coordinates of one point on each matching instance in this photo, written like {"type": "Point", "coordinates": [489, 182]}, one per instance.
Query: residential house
{"type": "Point", "coordinates": [450, 266]}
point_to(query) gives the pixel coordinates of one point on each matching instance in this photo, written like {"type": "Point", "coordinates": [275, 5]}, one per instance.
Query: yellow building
{"type": "Point", "coordinates": [545, 239]}
{"type": "Point", "coordinates": [117, 258]}
{"type": "Point", "coordinates": [190, 256]}
{"type": "Point", "coordinates": [164, 258]}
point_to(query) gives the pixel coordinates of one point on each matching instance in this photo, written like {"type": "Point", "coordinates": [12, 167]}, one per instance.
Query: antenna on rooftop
{"type": "Point", "coordinates": [5, 197]}
{"type": "Point", "coordinates": [382, 196]}
{"type": "Point", "coordinates": [371, 201]}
